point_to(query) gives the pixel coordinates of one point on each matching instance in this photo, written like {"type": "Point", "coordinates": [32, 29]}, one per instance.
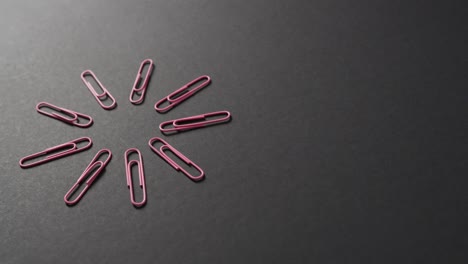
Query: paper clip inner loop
{"type": "Point", "coordinates": [143, 84]}
{"type": "Point", "coordinates": [163, 155]}
{"type": "Point", "coordinates": [181, 94]}
{"type": "Point", "coordinates": [100, 97]}
{"type": "Point", "coordinates": [128, 170]}
{"type": "Point", "coordinates": [70, 117]}
{"type": "Point", "coordinates": [64, 149]}
{"type": "Point", "coordinates": [94, 168]}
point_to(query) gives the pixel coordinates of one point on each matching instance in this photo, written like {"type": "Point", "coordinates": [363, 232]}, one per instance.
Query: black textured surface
{"type": "Point", "coordinates": [347, 144]}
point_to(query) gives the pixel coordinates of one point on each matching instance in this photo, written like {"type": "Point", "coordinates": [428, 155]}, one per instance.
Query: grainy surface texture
{"type": "Point", "coordinates": [348, 142]}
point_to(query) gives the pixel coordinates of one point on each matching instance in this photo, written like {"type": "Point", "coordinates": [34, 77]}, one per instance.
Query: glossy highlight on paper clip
{"type": "Point", "coordinates": [65, 149]}
{"type": "Point", "coordinates": [92, 171]}
{"type": "Point", "coordinates": [168, 147]}
{"type": "Point", "coordinates": [181, 94]}
{"type": "Point", "coordinates": [100, 97]}
{"type": "Point", "coordinates": [143, 84]}
{"type": "Point", "coordinates": [70, 117]}
{"type": "Point", "coordinates": [196, 121]}
{"type": "Point", "coordinates": [128, 171]}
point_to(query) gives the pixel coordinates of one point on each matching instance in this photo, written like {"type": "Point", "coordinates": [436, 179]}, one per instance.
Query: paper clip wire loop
{"type": "Point", "coordinates": [143, 84]}
{"type": "Point", "coordinates": [181, 94]}
{"type": "Point", "coordinates": [128, 171]}
{"type": "Point", "coordinates": [71, 120]}
{"type": "Point", "coordinates": [99, 96]}
{"type": "Point", "coordinates": [196, 121]}
{"type": "Point", "coordinates": [96, 167]}
{"type": "Point", "coordinates": [163, 155]}
{"type": "Point", "coordinates": [67, 148]}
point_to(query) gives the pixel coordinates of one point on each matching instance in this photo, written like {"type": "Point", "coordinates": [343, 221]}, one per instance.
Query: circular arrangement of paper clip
{"type": "Point", "coordinates": [166, 146]}
{"type": "Point", "coordinates": [89, 175]}
{"type": "Point", "coordinates": [141, 175]}
{"type": "Point", "coordinates": [142, 82]}
{"type": "Point", "coordinates": [196, 121]}
{"type": "Point", "coordinates": [56, 152]}
{"type": "Point", "coordinates": [100, 97]}
{"type": "Point", "coordinates": [68, 116]}
{"type": "Point", "coordinates": [182, 94]}
{"type": "Point", "coordinates": [137, 95]}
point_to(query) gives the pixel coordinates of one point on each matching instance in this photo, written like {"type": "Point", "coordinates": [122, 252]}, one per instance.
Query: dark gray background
{"type": "Point", "coordinates": [347, 145]}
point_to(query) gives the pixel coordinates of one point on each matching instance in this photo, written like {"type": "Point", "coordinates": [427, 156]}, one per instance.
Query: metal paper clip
{"type": "Point", "coordinates": [99, 96]}
{"type": "Point", "coordinates": [181, 94]}
{"type": "Point", "coordinates": [65, 149]}
{"type": "Point", "coordinates": [143, 84]}
{"type": "Point", "coordinates": [69, 117]}
{"type": "Point", "coordinates": [128, 170]}
{"type": "Point", "coordinates": [196, 121]}
{"type": "Point", "coordinates": [161, 153]}
{"type": "Point", "coordinates": [92, 171]}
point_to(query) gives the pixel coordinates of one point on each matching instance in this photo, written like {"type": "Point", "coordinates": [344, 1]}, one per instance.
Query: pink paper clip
{"type": "Point", "coordinates": [100, 97]}
{"type": "Point", "coordinates": [65, 149]}
{"type": "Point", "coordinates": [69, 116]}
{"type": "Point", "coordinates": [128, 170]}
{"type": "Point", "coordinates": [161, 153]}
{"type": "Point", "coordinates": [92, 171]}
{"type": "Point", "coordinates": [181, 94]}
{"type": "Point", "coordinates": [143, 84]}
{"type": "Point", "coordinates": [196, 121]}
